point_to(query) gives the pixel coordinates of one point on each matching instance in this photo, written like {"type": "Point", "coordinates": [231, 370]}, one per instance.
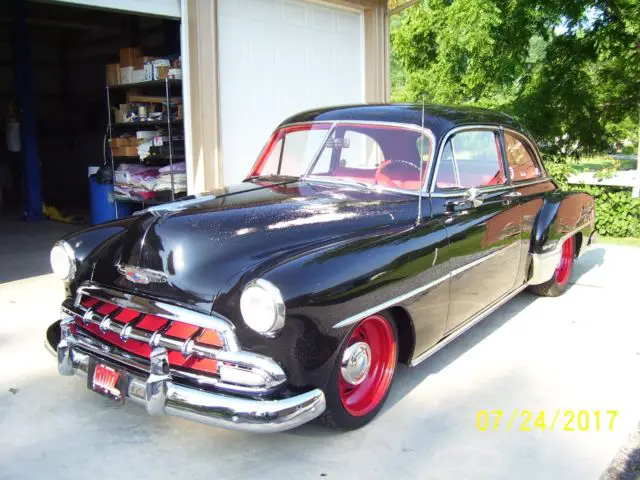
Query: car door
{"type": "Point", "coordinates": [482, 218]}
{"type": "Point", "coordinates": [530, 183]}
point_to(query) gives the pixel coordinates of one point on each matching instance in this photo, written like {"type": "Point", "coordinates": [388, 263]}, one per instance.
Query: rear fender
{"type": "Point", "coordinates": [562, 215]}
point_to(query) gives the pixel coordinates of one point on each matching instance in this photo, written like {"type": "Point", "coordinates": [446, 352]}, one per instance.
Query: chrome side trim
{"type": "Point", "coordinates": [401, 298]}
{"type": "Point", "coordinates": [527, 183]}
{"type": "Point", "coordinates": [480, 260]}
{"type": "Point", "coordinates": [474, 320]}
{"type": "Point", "coordinates": [481, 191]}
{"type": "Point", "coordinates": [161, 309]}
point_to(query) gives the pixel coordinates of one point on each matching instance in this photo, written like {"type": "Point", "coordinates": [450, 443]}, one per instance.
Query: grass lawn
{"type": "Point", "coordinates": [599, 162]}
{"type": "Point", "coordinates": [629, 241]}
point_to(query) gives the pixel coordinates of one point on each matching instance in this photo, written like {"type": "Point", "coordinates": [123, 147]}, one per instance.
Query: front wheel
{"type": "Point", "coordinates": [362, 377]}
{"type": "Point", "coordinates": [560, 280]}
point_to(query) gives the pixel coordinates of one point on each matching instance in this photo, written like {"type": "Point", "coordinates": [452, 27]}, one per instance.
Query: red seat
{"type": "Point", "coordinates": [398, 175]}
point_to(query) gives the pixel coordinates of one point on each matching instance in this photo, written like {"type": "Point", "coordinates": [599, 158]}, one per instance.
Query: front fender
{"type": "Point", "coordinates": [87, 243]}
{"type": "Point", "coordinates": [325, 286]}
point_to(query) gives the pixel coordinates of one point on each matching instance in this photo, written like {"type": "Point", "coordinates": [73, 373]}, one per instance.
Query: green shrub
{"type": "Point", "coordinates": [617, 213]}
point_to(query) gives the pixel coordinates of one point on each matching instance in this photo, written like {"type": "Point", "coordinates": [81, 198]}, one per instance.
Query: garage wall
{"type": "Point", "coordinates": [209, 98]}
{"type": "Point", "coordinates": [277, 58]}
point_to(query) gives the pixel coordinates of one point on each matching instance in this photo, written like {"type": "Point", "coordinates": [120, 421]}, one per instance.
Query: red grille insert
{"type": "Point", "coordinates": [151, 324]}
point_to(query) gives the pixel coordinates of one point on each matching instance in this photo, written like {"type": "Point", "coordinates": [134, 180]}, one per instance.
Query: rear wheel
{"type": "Point", "coordinates": [560, 280]}
{"type": "Point", "coordinates": [363, 374]}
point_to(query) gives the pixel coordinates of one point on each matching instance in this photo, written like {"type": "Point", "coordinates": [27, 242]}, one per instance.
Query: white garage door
{"type": "Point", "coordinates": [279, 57]}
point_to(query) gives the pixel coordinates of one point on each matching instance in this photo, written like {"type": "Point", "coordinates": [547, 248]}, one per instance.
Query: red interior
{"type": "Point", "coordinates": [152, 323]}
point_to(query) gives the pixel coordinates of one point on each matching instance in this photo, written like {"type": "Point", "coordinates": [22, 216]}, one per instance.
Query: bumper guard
{"type": "Point", "coordinates": [160, 395]}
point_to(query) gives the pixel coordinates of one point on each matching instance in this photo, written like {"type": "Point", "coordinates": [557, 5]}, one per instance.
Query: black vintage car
{"type": "Point", "coordinates": [364, 236]}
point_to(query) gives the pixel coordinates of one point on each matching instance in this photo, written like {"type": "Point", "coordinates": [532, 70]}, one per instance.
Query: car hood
{"type": "Point", "coordinates": [208, 244]}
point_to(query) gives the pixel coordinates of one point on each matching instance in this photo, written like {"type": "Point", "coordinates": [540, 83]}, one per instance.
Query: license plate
{"type": "Point", "coordinates": [107, 380]}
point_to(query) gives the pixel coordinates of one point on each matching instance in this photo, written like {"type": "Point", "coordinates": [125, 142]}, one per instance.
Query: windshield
{"type": "Point", "coordinates": [373, 154]}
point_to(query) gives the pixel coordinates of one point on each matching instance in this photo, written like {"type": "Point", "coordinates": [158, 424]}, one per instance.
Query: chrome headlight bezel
{"type": "Point", "coordinates": [62, 250]}
{"type": "Point", "coordinates": [269, 322]}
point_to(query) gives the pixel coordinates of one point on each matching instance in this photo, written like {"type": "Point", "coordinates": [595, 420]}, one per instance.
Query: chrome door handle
{"type": "Point", "coordinates": [512, 195]}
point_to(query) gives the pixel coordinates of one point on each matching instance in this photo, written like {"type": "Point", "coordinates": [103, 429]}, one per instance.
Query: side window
{"type": "Point", "coordinates": [471, 159]}
{"type": "Point", "coordinates": [271, 164]}
{"type": "Point", "coordinates": [446, 171]}
{"type": "Point", "coordinates": [522, 165]}
{"type": "Point", "coordinates": [358, 150]}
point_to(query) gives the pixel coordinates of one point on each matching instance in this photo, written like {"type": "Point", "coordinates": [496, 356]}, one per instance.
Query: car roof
{"type": "Point", "coordinates": [438, 118]}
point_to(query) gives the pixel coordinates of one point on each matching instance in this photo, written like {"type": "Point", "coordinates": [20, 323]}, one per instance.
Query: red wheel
{"type": "Point", "coordinates": [363, 373]}
{"type": "Point", "coordinates": [560, 280]}
{"type": "Point", "coordinates": [563, 271]}
{"type": "Point", "coordinates": [367, 365]}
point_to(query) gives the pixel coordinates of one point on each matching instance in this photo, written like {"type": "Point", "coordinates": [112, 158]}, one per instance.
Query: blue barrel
{"type": "Point", "coordinates": [102, 205]}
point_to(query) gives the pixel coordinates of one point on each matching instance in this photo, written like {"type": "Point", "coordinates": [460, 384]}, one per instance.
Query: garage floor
{"type": "Point", "coordinates": [577, 352]}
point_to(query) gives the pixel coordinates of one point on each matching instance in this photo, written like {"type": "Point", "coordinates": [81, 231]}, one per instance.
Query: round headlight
{"type": "Point", "coordinates": [262, 307]}
{"type": "Point", "coordinates": [63, 260]}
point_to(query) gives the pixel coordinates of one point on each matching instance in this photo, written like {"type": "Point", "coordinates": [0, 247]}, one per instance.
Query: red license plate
{"type": "Point", "coordinates": [107, 381]}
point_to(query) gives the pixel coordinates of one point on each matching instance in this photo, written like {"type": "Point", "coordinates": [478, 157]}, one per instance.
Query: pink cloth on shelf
{"type": "Point", "coordinates": [179, 167]}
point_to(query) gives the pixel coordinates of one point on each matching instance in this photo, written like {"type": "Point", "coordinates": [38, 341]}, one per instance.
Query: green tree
{"type": "Point", "coordinates": [569, 70]}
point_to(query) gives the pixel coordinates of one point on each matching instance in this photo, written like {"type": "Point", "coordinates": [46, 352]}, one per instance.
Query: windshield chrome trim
{"type": "Point", "coordinates": [316, 156]}
{"type": "Point", "coordinates": [407, 126]}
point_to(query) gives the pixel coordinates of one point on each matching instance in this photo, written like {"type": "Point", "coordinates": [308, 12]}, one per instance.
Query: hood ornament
{"type": "Point", "coordinates": [141, 275]}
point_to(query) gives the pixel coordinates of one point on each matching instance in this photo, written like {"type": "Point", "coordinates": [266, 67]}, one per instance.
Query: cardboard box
{"type": "Point", "coordinates": [112, 73]}
{"type": "Point", "coordinates": [140, 61]}
{"type": "Point", "coordinates": [128, 151]}
{"type": "Point", "coordinates": [162, 72]}
{"type": "Point", "coordinates": [129, 55]}
{"type": "Point", "coordinates": [159, 63]}
{"type": "Point", "coordinates": [124, 141]}
{"type": "Point", "coordinates": [138, 75]}
{"type": "Point", "coordinates": [175, 73]}
{"type": "Point", "coordinates": [126, 75]}
{"type": "Point", "coordinates": [148, 71]}
{"type": "Point", "coordinates": [119, 113]}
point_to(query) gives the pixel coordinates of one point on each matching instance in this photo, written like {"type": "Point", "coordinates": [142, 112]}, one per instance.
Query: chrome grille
{"type": "Point", "coordinates": [194, 341]}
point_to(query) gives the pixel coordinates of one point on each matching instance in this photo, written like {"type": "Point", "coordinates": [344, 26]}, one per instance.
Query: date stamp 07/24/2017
{"type": "Point", "coordinates": [546, 421]}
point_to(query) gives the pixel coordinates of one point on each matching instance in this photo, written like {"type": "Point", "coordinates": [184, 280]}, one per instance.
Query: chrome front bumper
{"type": "Point", "coordinates": [159, 393]}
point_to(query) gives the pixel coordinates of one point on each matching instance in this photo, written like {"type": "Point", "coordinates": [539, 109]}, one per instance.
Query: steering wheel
{"type": "Point", "coordinates": [385, 179]}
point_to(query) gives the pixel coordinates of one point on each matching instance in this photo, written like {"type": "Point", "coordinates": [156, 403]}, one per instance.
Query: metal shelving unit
{"type": "Point", "coordinates": [172, 125]}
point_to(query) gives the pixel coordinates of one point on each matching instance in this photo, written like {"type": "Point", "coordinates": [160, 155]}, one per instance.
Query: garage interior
{"type": "Point", "coordinates": [53, 102]}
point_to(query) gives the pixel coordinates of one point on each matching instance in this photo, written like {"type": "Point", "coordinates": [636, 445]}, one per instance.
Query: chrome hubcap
{"type": "Point", "coordinates": [356, 361]}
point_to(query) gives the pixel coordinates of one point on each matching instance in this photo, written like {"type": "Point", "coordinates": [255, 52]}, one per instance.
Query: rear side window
{"type": "Point", "coordinates": [471, 159]}
{"type": "Point", "coordinates": [522, 163]}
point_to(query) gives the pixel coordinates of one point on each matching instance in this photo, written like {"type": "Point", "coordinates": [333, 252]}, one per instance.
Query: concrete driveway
{"type": "Point", "coordinates": [577, 352]}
